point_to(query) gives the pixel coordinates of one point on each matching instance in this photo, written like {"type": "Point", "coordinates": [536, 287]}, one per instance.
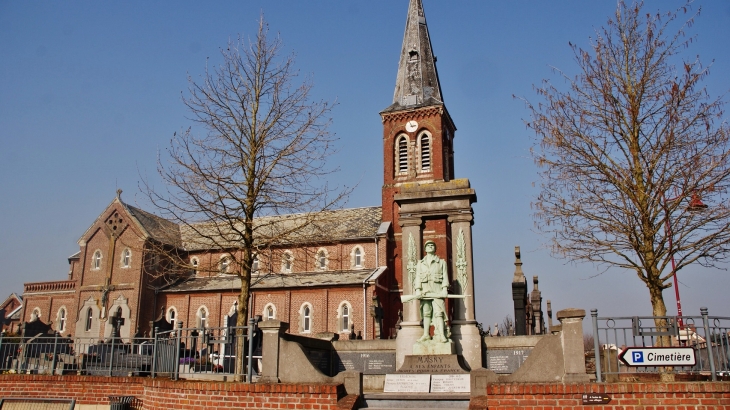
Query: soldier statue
{"type": "Point", "coordinates": [431, 289]}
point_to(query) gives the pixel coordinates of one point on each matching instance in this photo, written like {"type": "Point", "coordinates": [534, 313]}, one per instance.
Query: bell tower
{"type": "Point", "coordinates": [417, 129]}
{"type": "Point", "coordinates": [421, 197]}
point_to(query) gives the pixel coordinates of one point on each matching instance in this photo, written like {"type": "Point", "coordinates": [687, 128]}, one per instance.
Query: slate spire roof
{"type": "Point", "coordinates": [417, 83]}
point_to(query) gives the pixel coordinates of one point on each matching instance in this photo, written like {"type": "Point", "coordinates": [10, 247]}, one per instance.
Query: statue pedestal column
{"type": "Point", "coordinates": [411, 329]}
{"type": "Point", "coordinates": [407, 337]}
{"type": "Point", "coordinates": [464, 331]}
{"type": "Point", "coordinates": [468, 342]}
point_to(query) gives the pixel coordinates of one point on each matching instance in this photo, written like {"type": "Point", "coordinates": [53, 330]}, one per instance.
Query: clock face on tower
{"type": "Point", "coordinates": [411, 126]}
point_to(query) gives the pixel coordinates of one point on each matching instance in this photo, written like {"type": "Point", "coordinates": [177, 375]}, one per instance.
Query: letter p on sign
{"type": "Point", "coordinates": [638, 357]}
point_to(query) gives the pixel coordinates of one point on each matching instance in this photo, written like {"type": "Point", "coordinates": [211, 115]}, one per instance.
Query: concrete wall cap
{"type": "Point", "coordinates": [273, 325]}
{"type": "Point", "coordinates": [571, 313]}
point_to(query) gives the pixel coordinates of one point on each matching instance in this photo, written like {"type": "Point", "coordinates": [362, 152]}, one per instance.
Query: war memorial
{"type": "Point", "coordinates": [422, 345]}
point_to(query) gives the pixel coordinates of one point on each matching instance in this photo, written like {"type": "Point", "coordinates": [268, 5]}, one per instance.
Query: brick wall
{"type": "Point", "coordinates": [166, 394]}
{"type": "Point", "coordinates": [85, 389]}
{"type": "Point", "coordinates": [163, 394]}
{"type": "Point", "coordinates": [624, 396]}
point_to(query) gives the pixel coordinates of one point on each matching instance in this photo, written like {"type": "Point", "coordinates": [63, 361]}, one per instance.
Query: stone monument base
{"type": "Point", "coordinates": [430, 347]}
{"type": "Point", "coordinates": [433, 364]}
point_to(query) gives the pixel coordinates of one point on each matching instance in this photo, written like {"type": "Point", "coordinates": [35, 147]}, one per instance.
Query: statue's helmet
{"type": "Point", "coordinates": [431, 243]}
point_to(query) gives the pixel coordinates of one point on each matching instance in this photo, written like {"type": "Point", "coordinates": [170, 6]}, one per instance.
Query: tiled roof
{"type": "Point", "coordinates": [326, 226]}
{"type": "Point", "coordinates": [274, 281]}
{"type": "Point", "coordinates": [159, 228]}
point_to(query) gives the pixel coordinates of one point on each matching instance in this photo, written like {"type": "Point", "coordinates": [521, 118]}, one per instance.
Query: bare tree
{"type": "Point", "coordinates": [257, 151]}
{"type": "Point", "coordinates": [588, 342]}
{"type": "Point", "coordinates": [630, 152]}
{"type": "Point", "coordinates": [506, 328]}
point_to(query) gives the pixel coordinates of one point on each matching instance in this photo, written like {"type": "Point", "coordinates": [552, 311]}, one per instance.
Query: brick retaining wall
{"type": "Point", "coordinates": [624, 396]}
{"type": "Point", "coordinates": [164, 394]}
{"type": "Point", "coordinates": [167, 394]}
{"type": "Point", "coordinates": [85, 389]}
{"type": "Point", "coordinates": [159, 394]}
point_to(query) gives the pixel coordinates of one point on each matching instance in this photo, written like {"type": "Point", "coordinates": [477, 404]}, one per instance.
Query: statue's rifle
{"type": "Point", "coordinates": [409, 298]}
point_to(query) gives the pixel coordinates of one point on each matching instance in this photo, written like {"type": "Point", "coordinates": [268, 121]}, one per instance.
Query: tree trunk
{"type": "Point", "coordinates": [666, 374]}
{"type": "Point", "coordinates": [242, 320]}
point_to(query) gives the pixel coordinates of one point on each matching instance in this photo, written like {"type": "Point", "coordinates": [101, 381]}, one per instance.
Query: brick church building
{"type": "Point", "coordinates": [352, 282]}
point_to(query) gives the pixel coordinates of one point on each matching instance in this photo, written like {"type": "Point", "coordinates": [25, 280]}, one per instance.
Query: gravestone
{"type": "Point", "coordinates": [117, 321]}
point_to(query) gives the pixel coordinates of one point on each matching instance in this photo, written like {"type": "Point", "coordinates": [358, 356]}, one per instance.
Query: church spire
{"type": "Point", "coordinates": [417, 83]}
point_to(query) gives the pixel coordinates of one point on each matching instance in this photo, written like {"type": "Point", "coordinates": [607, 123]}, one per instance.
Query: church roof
{"type": "Point", "coordinates": [325, 226]}
{"type": "Point", "coordinates": [158, 228]}
{"type": "Point", "coordinates": [417, 83]}
{"type": "Point", "coordinates": [274, 281]}
{"type": "Point", "coordinates": [316, 227]}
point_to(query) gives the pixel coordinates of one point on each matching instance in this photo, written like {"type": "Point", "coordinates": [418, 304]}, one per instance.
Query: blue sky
{"type": "Point", "coordinates": [90, 92]}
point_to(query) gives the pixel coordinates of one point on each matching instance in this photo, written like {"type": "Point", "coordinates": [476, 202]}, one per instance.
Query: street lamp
{"type": "Point", "coordinates": [695, 205]}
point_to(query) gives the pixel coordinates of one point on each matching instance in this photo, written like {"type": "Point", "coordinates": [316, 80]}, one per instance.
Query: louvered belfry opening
{"type": "Point", "coordinates": [402, 155]}
{"type": "Point", "coordinates": [425, 153]}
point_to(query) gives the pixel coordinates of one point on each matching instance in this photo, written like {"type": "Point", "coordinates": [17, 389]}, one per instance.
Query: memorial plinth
{"type": "Point", "coordinates": [433, 364]}
{"type": "Point", "coordinates": [431, 347]}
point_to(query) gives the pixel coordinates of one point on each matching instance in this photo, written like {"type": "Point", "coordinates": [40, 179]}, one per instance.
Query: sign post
{"type": "Point", "coordinates": [658, 356]}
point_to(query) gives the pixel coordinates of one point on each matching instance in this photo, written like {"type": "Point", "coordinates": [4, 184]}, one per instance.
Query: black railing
{"type": "Point", "coordinates": [209, 353]}
{"type": "Point", "coordinates": [706, 335]}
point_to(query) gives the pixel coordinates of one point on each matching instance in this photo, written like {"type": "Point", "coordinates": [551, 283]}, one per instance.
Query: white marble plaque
{"type": "Point", "coordinates": [450, 383]}
{"type": "Point", "coordinates": [407, 383]}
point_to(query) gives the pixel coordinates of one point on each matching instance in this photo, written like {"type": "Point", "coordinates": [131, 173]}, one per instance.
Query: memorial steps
{"type": "Point", "coordinates": [424, 401]}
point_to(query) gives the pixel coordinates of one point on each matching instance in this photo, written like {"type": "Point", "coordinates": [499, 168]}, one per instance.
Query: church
{"type": "Point", "coordinates": [349, 284]}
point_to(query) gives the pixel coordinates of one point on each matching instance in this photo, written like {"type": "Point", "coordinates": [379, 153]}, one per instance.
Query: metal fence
{"type": "Point", "coordinates": [706, 335]}
{"type": "Point", "coordinates": [208, 353]}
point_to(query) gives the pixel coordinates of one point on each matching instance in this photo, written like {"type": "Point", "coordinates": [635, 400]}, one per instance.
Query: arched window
{"type": "Point", "coordinates": [345, 318]}
{"type": "Point", "coordinates": [224, 264]}
{"type": "Point", "coordinates": [306, 318]}
{"type": "Point", "coordinates": [357, 257]}
{"type": "Point", "coordinates": [35, 314]}
{"type": "Point", "coordinates": [126, 258]}
{"type": "Point", "coordinates": [62, 320]}
{"type": "Point", "coordinates": [171, 314]}
{"type": "Point", "coordinates": [89, 318]}
{"type": "Point", "coordinates": [195, 262]}
{"type": "Point", "coordinates": [269, 312]}
{"type": "Point", "coordinates": [96, 260]}
{"type": "Point", "coordinates": [287, 262]}
{"type": "Point", "coordinates": [202, 317]}
{"type": "Point", "coordinates": [402, 164]}
{"type": "Point", "coordinates": [255, 264]}
{"type": "Point", "coordinates": [425, 152]}
{"type": "Point", "coordinates": [321, 262]}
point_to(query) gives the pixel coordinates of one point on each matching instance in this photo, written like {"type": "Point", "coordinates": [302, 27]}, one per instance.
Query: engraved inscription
{"type": "Point", "coordinates": [450, 383]}
{"type": "Point", "coordinates": [506, 361]}
{"type": "Point", "coordinates": [407, 383]}
{"type": "Point", "coordinates": [367, 363]}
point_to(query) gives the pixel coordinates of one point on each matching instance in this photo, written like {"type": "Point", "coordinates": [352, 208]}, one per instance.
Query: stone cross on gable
{"type": "Point", "coordinates": [117, 321]}
{"type": "Point", "coordinates": [113, 227]}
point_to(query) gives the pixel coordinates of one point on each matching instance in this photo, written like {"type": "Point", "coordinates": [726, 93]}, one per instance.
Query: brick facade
{"type": "Point", "coordinates": [131, 284]}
